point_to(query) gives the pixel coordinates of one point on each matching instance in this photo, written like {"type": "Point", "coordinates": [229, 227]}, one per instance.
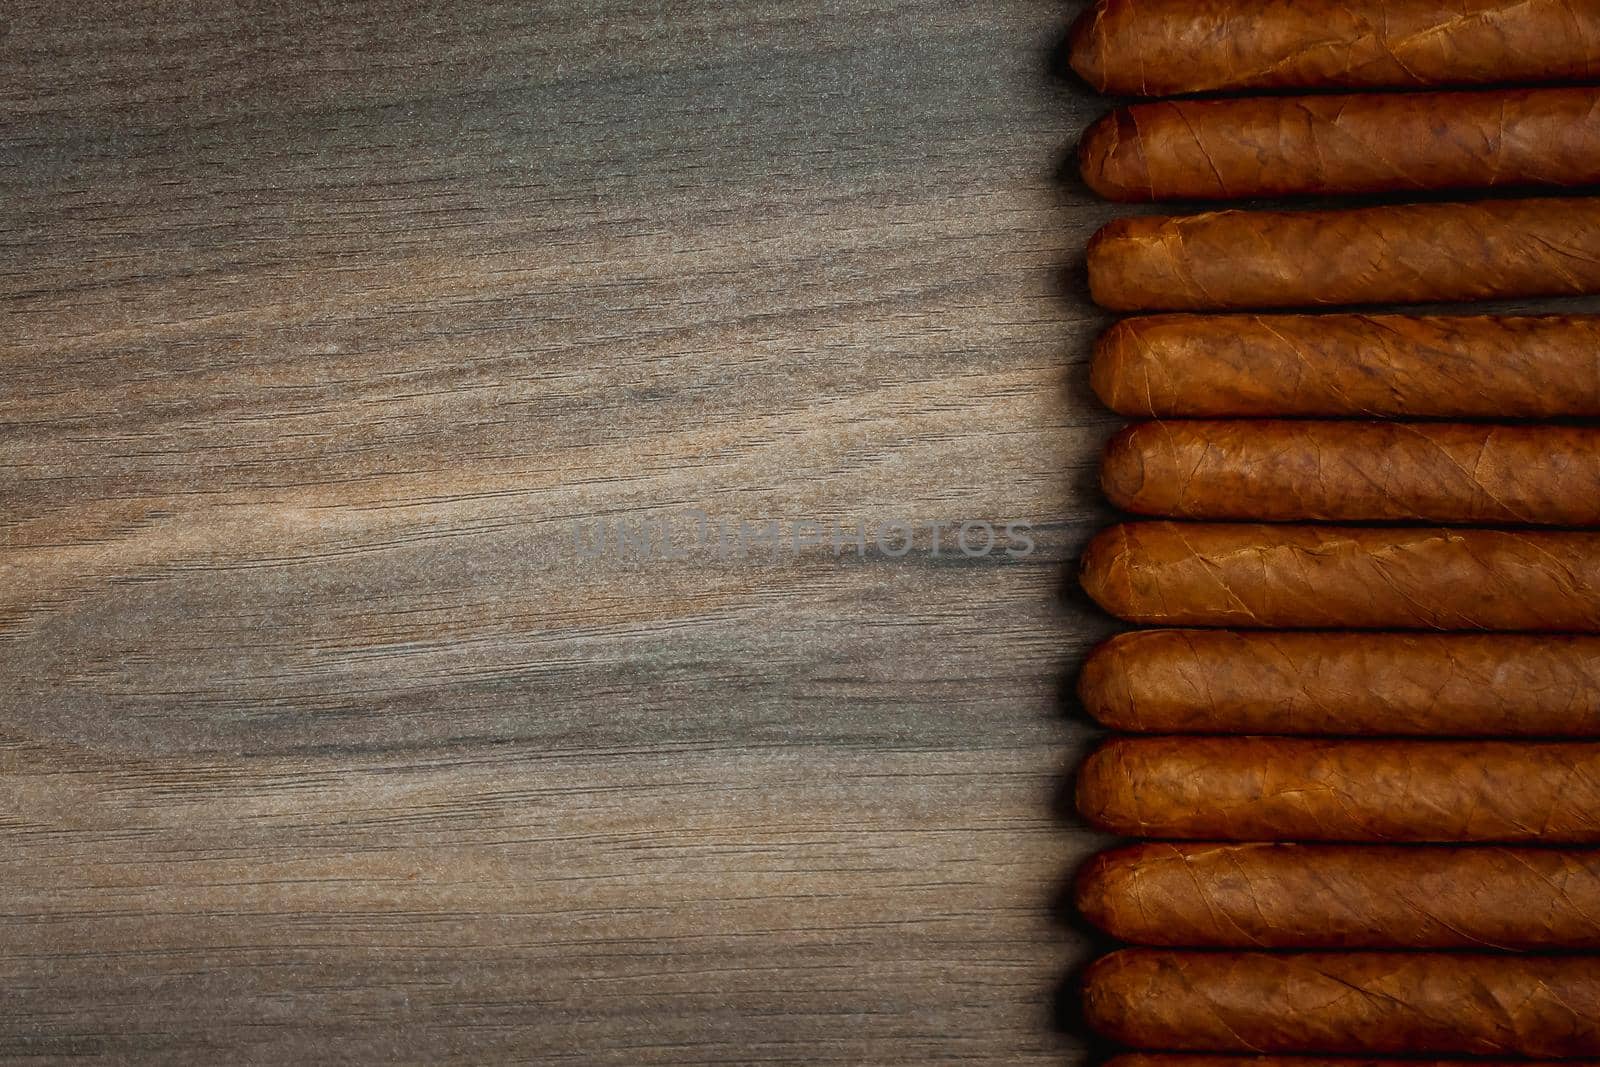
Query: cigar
{"type": "Point", "coordinates": [1340, 683]}
{"type": "Point", "coordinates": [1296, 470]}
{"type": "Point", "coordinates": [1443, 366]}
{"type": "Point", "coordinates": [1171, 47]}
{"type": "Point", "coordinates": [1393, 254]}
{"type": "Point", "coordinates": [1298, 789]}
{"type": "Point", "coordinates": [1362, 578]}
{"type": "Point", "coordinates": [1344, 897]}
{"type": "Point", "coordinates": [1353, 1003]}
{"type": "Point", "coordinates": [1357, 143]}
{"type": "Point", "coordinates": [1191, 1059]}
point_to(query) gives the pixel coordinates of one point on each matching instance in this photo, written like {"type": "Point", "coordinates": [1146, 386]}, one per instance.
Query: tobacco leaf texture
{"type": "Point", "coordinates": [1172, 47]}
{"type": "Point", "coordinates": [1397, 254]}
{"type": "Point", "coordinates": [1438, 366]}
{"type": "Point", "coordinates": [1288, 896]}
{"type": "Point", "coordinates": [1348, 1003]}
{"type": "Point", "coordinates": [1301, 789]}
{"type": "Point", "coordinates": [1343, 683]}
{"type": "Point", "coordinates": [1341, 144]}
{"type": "Point", "coordinates": [1348, 471]}
{"type": "Point", "coordinates": [1315, 577]}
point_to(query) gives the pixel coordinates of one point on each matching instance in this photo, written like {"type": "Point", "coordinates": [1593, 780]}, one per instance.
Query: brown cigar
{"type": "Point", "coordinates": [1295, 789]}
{"type": "Point", "coordinates": [1363, 143]}
{"type": "Point", "coordinates": [1445, 366]}
{"type": "Point", "coordinates": [1392, 254]}
{"type": "Point", "coordinates": [1358, 1003]}
{"type": "Point", "coordinates": [1190, 1059]}
{"type": "Point", "coordinates": [1295, 470]}
{"type": "Point", "coordinates": [1344, 896]}
{"type": "Point", "coordinates": [1363, 578]}
{"type": "Point", "coordinates": [1317, 682]}
{"type": "Point", "coordinates": [1169, 47]}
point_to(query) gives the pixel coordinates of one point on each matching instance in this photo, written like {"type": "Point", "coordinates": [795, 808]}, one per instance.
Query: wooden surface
{"type": "Point", "coordinates": [319, 738]}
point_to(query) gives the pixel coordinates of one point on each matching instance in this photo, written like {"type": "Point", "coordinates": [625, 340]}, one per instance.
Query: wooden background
{"type": "Point", "coordinates": [320, 325]}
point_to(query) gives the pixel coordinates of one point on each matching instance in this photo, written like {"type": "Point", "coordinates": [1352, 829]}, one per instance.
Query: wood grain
{"type": "Point", "coordinates": [321, 740]}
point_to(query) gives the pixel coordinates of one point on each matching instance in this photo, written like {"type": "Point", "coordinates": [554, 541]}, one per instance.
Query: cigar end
{"type": "Point", "coordinates": [1097, 788]}
{"type": "Point", "coordinates": [1118, 372]}
{"type": "Point", "coordinates": [1113, 892]}
{"type": "Point", "coordinates": [1104, 688]}
{"type": "Point", "coordinates": [1122, 469]}
{"type": "Point", "coordinates": [1103, 570]}
{"type": "Point", "coordinates": [1086, 52]}
{"type": "Point", "coordinates": [1106, 989]}
{"type": "Point", "coordinates": [1094, 890]}
{"type": "Point", "coordinates": [1111, 259]}
{"type": "Point", "coordinates": [1111, 158]}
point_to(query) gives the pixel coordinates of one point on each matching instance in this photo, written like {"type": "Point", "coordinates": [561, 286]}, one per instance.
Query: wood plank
{"type": "Point", "coordinates": [322, 738]}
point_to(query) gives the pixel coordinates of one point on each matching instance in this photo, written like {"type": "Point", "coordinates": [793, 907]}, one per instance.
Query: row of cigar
{"type": "Point", "coordinates": [1359, 750]}
{"type": "Point", "coordinates": [1343, 143]}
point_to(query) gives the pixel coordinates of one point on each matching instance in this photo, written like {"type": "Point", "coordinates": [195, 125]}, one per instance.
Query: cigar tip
{"type": "Point", "coordinates": [1096, 788]}
{"type": "Point", "coordinates": [1107, 258]}
{"type": "Point", "coordinates": [1111, 891]}
{"type": "Point", "coordinates": [1122, 469]}
{"type": "Point", "coordinates": [1102, 969]}
{"type": "Point", "coordinates": [1105, 1000]}
{"type": "Point", "coordinates": [1108, 235]}
{"type": "Point", "coordinates": [1086, 48]}
{"type": "Point", "coordinates": [1111, 158]}
{"type": "Point", "coordinates": [1103, 570]}
{"type": "Point", "coordinates": [1093, 889]}
{"type": "Point", "coordinates": [1104, 689]}
{"type": "Point", "coordinates": [1113, 367]}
